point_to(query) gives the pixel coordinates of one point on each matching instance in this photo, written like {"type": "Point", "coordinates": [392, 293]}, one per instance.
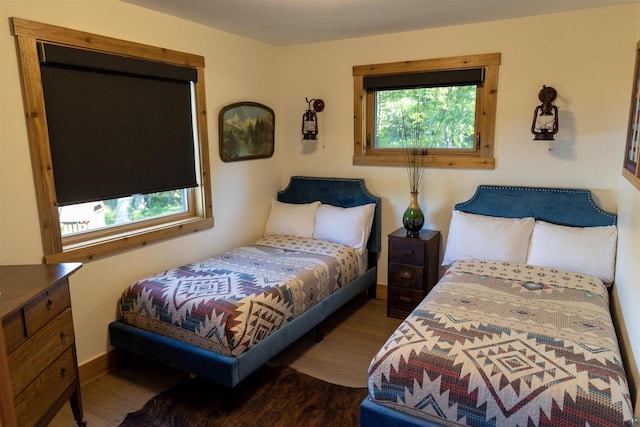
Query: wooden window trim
{"type": "Point", "coordinates": [485, 113]}
{"type": "Point", "coordinates": [633, 174]}
{"type": "Point", "coordinates": [199, 217]}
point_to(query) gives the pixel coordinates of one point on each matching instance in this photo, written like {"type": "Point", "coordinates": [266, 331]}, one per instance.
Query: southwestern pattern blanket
{"type": "Point", "coordinates": [506, 344]}
{"type": "Point", "coordinates": [230, 302]}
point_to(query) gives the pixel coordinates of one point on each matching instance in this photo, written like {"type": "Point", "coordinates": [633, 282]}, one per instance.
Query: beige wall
{"type": "Point", "coordinates": [587, 56]}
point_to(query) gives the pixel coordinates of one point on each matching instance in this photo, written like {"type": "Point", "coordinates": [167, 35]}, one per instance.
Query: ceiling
{"type": "Point", "coordinates": [291, 22]}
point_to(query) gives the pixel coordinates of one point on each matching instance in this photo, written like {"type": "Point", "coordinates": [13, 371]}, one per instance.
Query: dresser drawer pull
{"type": "Point", "coordinates": [404, 299]}
{"type": "Point", "coordinates": [63, 372]}
{"type": "Point", "coordinates": [405, 274]}
{"type": "Point", "coordinates": [408, 253]}
{"type": "Point", "coordinates": [49, 304]}
{"type": "Point", "coordinates": [64, 337]}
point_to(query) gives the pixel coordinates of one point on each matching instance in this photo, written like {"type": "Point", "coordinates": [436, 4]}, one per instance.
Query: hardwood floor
{"type": "Point", "coordinates": [352, 336]}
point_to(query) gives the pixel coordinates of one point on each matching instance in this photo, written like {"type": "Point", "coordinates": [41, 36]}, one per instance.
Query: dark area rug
{"type": "Point", "coordinates": [272, 396]}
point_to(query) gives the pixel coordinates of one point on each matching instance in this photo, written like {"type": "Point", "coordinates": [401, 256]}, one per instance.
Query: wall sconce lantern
{"type": "Point", "coordinates": [545, 116]}
{"type": "Point", "coordinates": [309, 119]}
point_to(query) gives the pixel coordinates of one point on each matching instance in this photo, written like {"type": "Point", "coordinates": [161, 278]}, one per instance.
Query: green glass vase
{"type": "Point", "coordinates": [413, 218]}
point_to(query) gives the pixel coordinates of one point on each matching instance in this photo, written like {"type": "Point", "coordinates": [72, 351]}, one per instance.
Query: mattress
{"type": "Point", "coordinates": [506, 344]}
{"type": "Point", "coordinates": [232, 301]}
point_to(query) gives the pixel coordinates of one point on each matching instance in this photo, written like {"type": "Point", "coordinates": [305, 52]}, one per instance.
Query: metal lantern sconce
{"type": "Point", "coordinates": [310, 120]}
{"type": "Point", "coordinates": [545, 116]}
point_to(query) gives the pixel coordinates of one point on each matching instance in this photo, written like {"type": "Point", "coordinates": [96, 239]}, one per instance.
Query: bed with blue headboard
{"type": "Point", "coordinates": [184, 334]}
{"type": "Point", "coordinates": [518, 330]}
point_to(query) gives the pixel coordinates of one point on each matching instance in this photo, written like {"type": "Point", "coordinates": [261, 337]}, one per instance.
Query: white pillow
{"type": "Point", "coordinates": [588, 250]}
{"type": "Point", "coordinates": [292, 219]}
{"type": "Point", "coordinates": [349, 226]}
{"type": "Point", "coordinates": [490, 238]}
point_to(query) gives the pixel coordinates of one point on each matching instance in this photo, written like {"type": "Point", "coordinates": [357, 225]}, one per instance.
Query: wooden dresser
{"type": "Point", "coordinates": [413, 270]}
{"type": "Point", "coordinates": [38, 364]}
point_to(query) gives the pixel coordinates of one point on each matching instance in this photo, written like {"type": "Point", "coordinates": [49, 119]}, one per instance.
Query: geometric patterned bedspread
{"type": "Point", "coordinates": [230, 302]}
{"type": "Point", "coordinates": [505, 344]}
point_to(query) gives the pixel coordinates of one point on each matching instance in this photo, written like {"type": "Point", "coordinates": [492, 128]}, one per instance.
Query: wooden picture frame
{"type": "Point", "coordinates": [631, 167]}
{"type": "Point", "coordinates": [247, 131]}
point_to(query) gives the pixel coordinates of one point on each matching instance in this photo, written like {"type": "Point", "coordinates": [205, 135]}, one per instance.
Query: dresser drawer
{"type": "Point", "coordinates": [404, 299]}
{"type": "Point", "coordinates": [409, 276]}
{"type": "Point", "coordinates": [27, 321]}
{"type": "Point", "coordinates": [35, 400]}
{"type": "Point", "coordinates": [38, 370]}
{"type": "Point", "coordinates": [47, 306]}
{"type": "Point", "coordinates": [14, 330]}
{"type": "Point", "coordinates": [406, 251]}
{"type": "Point", "coordinates": [35, 354]}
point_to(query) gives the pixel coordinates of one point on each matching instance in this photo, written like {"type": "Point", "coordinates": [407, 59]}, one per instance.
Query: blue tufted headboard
{"type": "Point", "coordinates": [564, 206]}
{"type": "Point", "coordinates": [343, 192]}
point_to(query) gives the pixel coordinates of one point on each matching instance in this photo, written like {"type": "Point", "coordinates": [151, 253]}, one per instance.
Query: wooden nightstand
{"type": "Point", "coordinates": [38, 361]}
{"type": "Point", "coordinates": [413, 269]}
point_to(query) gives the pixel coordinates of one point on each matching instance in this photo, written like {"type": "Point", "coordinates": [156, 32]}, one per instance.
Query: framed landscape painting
{"type": "Point", "coordinates": [247, 131]}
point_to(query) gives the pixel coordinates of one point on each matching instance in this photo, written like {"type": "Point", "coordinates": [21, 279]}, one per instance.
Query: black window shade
{"type": "Point", "coordinates": [117, 126]}
{"type": "Point", "coordinates": [464, 77]}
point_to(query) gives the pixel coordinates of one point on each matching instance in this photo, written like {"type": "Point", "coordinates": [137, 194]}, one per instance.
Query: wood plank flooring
{"type": "Point", "coordinates": [352, 336]}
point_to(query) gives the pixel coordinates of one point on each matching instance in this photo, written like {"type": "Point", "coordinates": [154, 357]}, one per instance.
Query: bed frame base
{"type": "Point", "coordinates": [372, 415]}
{"type": "Point", "coordinates": [227, 370]}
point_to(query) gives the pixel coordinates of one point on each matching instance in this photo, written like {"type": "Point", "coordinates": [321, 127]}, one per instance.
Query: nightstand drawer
{"type": "Point", "coordinates": [404, 299]}
{"type": "Point", "coordinates": [408, 276]}
{"type": "Point", "coordinates": [412, 269]}
{"type": "Point", "coordinates": [407, 251]}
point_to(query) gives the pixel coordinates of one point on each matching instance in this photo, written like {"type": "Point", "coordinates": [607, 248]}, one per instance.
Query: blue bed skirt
{"type": "Point", "coordinates": [374, 415]}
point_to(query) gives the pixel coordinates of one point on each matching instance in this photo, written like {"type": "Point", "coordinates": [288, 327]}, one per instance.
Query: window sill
{"type": "Point", "coordinates": [452, 162]}
{"type": "Point", "coordinates": [95, 249]}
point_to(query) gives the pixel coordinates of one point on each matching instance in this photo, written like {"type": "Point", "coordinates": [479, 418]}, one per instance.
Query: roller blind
{"type": "Point", "coordinates": [470, 76]}
{"type": "Point", "coordinates": [117, 126]}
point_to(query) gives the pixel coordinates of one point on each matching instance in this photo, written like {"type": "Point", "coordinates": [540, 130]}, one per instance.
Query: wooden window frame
{"type": "Point", "coordinates": [486, 96]}
{"type": "Point", "coordinates": [631, 170]}
{"type": "Point", "coordinates": [95, 244]}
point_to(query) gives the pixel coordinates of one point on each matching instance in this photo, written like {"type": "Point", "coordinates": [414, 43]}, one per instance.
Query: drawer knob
{"type": "Point", "coordinates": [64, 337]}
{"type": "Point", "coordinates": [405, 274]}
{"type": "Point", "coordinates": [405, 299]}
{"type": "Point", "coordinates": [63, 372]}
{"type": "Point", "coordinates": [408, 253]}
{"type": "Point", "coordinates": [49, 304]}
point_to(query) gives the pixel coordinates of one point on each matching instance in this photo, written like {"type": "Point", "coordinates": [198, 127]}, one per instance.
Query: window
{"type": "Point", "coordinates": [100, 216]}
{"type": "Point", "coordinates": [445, 106]}
{"type": "Point", "coordinates": [118, 141]}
